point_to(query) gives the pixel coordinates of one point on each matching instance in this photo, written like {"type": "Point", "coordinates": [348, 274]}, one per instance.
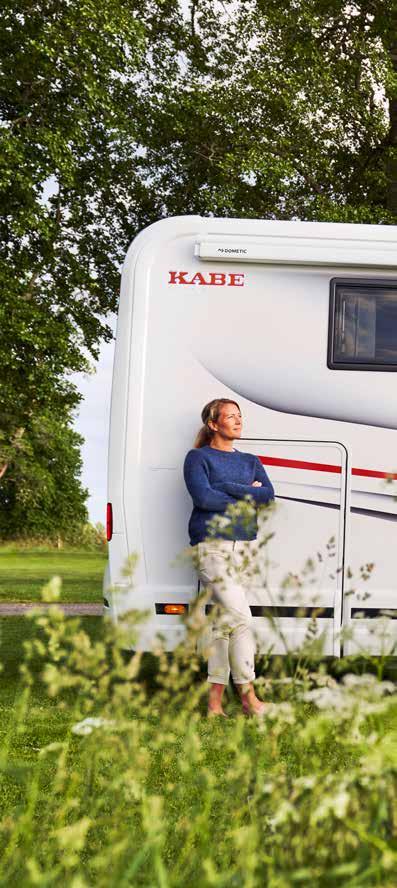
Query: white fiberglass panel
{"type": "Point", "coordinates": [372, 585]}
{"type": "Point", "coordinates": [274, 332]}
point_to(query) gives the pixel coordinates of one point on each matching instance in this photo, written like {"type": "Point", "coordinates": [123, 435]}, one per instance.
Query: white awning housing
{"type": "Point", "coordinates": [294, 250]}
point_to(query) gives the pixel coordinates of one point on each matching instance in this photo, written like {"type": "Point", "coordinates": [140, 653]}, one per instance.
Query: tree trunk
{"type": "Point", "coordinates": [18, 434]}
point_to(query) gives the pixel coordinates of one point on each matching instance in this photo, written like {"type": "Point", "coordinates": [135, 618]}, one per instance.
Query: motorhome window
{"type": "Point", "coordinates": [363, 325]}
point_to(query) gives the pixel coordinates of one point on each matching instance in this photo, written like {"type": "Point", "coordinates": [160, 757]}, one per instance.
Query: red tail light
{"type": "Point", "coordinates": [109, 521]}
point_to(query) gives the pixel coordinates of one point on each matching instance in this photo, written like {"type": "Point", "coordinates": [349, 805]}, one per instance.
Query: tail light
{"type": "Point", "coordinates": [109, 521]}
{"type": "Point", "coordinates": [175, 608]}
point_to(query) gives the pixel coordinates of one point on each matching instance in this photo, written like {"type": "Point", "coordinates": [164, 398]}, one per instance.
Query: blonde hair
{"type": "Point", "coordinates": [211, 411]}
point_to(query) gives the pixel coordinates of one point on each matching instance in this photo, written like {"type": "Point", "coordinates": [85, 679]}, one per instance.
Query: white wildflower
{"type": "Point", "coordinates": [305, 782]}
{"type": "Point", "coordinates": [89, 724]}
{"type": "Point", "coordinates": [221, 522]}
{"type": "Point", "coordinates": [286, 811]}
{"type": "Point", "coordinates": [268, 788]}
{"type": "Point", "coordinates": [328, 698]}
{"type": "Point", "coordinates": [336, 805]}
{"type": "Point", "coordinates": [369, 682]}
{"type": "Point", "coordinates": [283, 712]}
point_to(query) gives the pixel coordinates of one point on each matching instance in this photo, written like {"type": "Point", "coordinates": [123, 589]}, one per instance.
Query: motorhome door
{"type": "Point", "coordinates": [296, 596]}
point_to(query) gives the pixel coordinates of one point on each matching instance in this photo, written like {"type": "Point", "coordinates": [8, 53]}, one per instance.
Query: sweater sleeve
{"type": "Point", "coordinates": [197, 482]}
{"type": "Point", "coordinates": [259, 494]}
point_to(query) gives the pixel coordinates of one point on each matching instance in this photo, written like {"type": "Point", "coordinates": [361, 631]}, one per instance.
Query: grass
{"type": "Point", "coordinates": [25, 572]}
{"type": "Point", "coordinates": [168, 797]}
{"type": "Point", "coordinates": [46, 721]}
{"type": "Point", "coordinates": [49, 721]}
{"type": "Point", "coordinates": [160, 795]}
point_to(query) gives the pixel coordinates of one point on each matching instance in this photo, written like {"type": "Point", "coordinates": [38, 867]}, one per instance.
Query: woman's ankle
{"type": "Point", "coordinates": [216, 690]}
{"type": "Point", "coordinates": [245, 690]}
{"type": "Point", "coordinates": [215, 696]}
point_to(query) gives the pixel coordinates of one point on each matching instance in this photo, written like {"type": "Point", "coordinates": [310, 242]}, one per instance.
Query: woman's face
{"type": "Point", "coordinates": [229, 423]}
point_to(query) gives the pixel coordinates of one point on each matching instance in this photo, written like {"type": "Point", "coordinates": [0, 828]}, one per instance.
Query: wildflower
{"type": "Point", "coordinates": [88, 724]}
{"type": "Point", "coordinates": [268, 788]}
{"type": "Point", "coordinates": [327, 698]}
{"type": "Point", "coordinates": [286, 812]}
{"type": "Point", "coordinates": [336, 805]}
{"type": "Point", "coordinates": [376, 687]}
{"type": "Point", "coordinates": [222, 522]}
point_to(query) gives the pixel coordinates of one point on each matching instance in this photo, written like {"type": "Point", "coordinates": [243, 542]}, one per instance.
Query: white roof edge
{"type": "Point", "coordinates": [207, 229]}
{"type": "Point", "coordinates": [161, 231]}
{"type": "Point", "coordinates": [280, 228]}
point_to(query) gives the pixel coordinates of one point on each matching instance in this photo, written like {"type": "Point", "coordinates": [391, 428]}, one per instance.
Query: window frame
{"type": "Point", "coordinates": [386, 283]}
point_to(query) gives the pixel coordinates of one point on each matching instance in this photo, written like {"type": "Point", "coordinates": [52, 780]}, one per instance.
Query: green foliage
{"type": "Point", "coordinates": [278, 110]}
{"type": "Point", "coordinates": [67, 153]}
{"type": "Point", "coordinates": [41, 494]}
{"type": "Point", "coordinates": [90, 537]}
{"type": "Point", "coordinates": [84, 537]}
{"type": "Point", "coordinates": [76, 537]}
{"type": "Point", "coordinates": [138, 788]}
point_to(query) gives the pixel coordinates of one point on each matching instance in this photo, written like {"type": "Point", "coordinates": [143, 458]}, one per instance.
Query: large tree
{"type": "Point", "coordinates": [69, 193]}
{"type": "Point", "coordinates": [279, 109]}
{"type": "Point", "coordinates": [70, 200]}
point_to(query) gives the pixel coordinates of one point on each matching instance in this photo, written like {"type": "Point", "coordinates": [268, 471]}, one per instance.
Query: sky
{"type": "Point", "coordinates": [92, 422]}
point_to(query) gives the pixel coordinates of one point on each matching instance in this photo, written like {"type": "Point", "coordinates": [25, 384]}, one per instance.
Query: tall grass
{"type": "Point", "coordinates": [143, 790]}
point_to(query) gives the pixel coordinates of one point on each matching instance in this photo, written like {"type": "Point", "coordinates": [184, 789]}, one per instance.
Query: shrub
{"type": "Point", "coordinates": [88, 537]}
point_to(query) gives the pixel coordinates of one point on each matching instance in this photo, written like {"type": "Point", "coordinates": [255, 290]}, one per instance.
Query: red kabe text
{"type": "Point", "coordinates": [212, 279]}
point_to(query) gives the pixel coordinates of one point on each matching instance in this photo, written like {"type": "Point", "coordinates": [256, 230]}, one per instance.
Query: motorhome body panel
{"type": "Point", "coordinates": [257, 333]}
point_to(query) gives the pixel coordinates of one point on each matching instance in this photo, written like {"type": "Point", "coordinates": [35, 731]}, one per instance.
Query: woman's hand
{"type": "Point", "coordinates": [256, 484]}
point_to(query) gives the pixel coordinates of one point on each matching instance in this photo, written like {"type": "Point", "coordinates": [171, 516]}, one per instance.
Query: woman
{"type": "Point", "coordinates": [216, 474]}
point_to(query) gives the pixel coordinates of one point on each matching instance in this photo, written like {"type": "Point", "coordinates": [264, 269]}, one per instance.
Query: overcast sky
{"type": "Point", "coordinates": [92, 422]}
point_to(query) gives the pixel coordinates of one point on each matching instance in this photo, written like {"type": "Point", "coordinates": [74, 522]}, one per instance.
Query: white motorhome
{"type": "Point", "coordinates": [297, 321]}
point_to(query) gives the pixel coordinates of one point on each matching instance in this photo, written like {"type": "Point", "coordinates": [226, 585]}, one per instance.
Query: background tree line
{"type": "Point", "coordinates": [116, 113]}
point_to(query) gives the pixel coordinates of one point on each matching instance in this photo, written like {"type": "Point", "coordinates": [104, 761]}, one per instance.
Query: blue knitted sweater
{"type": "Point", "coordinates": [215, 478]}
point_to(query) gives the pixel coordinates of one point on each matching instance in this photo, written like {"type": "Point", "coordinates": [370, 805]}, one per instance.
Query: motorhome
{"type": "Point", "coordinates": [297, 322]}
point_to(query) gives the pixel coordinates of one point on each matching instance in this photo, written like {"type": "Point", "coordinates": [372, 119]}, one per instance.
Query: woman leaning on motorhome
{"type": "Point", "coordinates": [216, 474]}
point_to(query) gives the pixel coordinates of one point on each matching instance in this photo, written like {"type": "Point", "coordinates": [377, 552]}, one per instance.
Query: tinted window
{"type": "Point", "coordinates": [363, 325]}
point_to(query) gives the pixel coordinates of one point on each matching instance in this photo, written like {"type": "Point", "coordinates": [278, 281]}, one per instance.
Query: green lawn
{"type": "Point", "coordinates": [14, 631]}
{"type": "Point", "coordinates": [23, 573]}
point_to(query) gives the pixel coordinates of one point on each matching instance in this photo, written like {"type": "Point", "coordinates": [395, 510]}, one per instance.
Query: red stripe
{"type": "Point", "coordinates": [322, 467]}
{"type": "Point", "coordinates": [299, 464]}
{"type": "Point", "coordinates": [371, 473]}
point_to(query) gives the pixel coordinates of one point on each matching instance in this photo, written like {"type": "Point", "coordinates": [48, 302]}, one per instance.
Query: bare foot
{"type": "Point", "coordinates": [215, 699]}
{"type": "Point", "coordinates": [250, 703]}
{"type": "Point", "coordinates": [255, 707]}
{"type": "Point", "coordinates": [216, 711]}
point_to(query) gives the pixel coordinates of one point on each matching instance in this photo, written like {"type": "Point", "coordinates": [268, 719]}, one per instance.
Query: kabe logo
{"type": "Point", "coordinates": [212, 279]}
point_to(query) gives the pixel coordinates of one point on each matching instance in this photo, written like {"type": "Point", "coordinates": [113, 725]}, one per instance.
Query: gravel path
{"type": "Point", "coordinates": [17, 608]}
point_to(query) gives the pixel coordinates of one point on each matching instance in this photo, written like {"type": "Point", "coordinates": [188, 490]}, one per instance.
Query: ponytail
{"type": "Point", "coordinates": [211, 411]}
{"type": "Point", "coordinates": [203, 437]}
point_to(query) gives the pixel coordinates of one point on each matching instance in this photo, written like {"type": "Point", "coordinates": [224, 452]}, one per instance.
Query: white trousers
{"type": "Point", "coordinates": [231, 643]}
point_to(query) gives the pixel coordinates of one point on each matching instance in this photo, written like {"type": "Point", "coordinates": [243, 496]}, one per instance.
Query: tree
{"type": "Point", "coordinates": [41, 494]}
{"type": "Point", "coordinates": [68, 190]}
{"type": "Point", "coordinates": [70, 199]}
{"type": "Point", "coordinates": [279, 110]}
